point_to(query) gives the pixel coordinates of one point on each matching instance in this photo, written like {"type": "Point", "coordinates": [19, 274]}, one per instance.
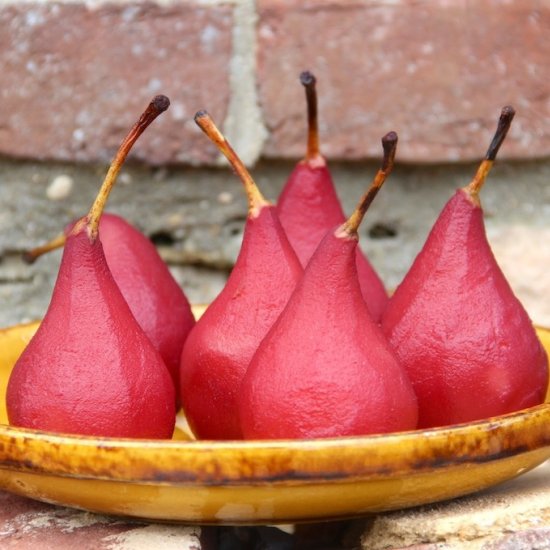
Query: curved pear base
{"type": "Point", "coordinates": [264, 482]}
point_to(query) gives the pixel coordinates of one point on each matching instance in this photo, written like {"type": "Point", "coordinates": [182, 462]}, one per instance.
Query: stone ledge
{"type": "Point", "coordinates": [26, 524]}
{"type": "Point", "coordinates": [196, 217]}
{"type": "Point", "coordinates": [507, 517]}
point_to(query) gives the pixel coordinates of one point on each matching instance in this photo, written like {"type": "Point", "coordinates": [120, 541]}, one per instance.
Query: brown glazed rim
{"type": "Point", "coordinates": [233, 463]}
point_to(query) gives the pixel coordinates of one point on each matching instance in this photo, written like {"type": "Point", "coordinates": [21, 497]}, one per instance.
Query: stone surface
{"type": "Point", "coordinates": [196, 218]}
{"type": "Point", "coordinates": [26, 524]}
{"type": "Point", "coordinates": [436, 72]}
{"type": "Point", "coordinates": [75, 77]}
{"type": "Point", "coordinates": [514, 515]}
{"type": "Point", "coordinates": [60, 188]}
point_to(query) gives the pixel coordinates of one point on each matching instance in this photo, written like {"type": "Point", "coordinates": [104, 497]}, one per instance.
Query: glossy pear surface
{"type": "Point", "coordinates": [220, 346]}
{"type": "Point", "coordinates": [325, 369]}
{"type": "Point", "coordinates": [155, 298]}
{"type": "Point", "coordinates": [465, 340]}
{"type": "Point", "coordinates": [90, 369]}
{"type": "Point", "coordinates": [308, 207]}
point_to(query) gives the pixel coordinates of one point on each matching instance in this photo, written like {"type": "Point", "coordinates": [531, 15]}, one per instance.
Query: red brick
{"type": "Point", "coordinates": [74, 78]}
{"type": "Point", "coordinates": [436, 72]}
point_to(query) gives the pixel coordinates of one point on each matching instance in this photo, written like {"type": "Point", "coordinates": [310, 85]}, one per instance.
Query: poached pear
{"type": "Point", "coordinates": [325, 369]}
{"type": "Point", "coordinates": [465, 340]}
{"type": "Point", "coordinates": [219, 348]}
{"type": "Point", "coordinates": [90, 369]}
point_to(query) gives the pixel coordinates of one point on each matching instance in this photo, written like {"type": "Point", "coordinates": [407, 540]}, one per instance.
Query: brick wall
{"type": "Point", "coordinates": [75, 74]}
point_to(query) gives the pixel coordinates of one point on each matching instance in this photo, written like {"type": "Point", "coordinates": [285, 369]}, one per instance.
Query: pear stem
{"type": "Point", "coordinates": [158, 105]}
{"type": "Point", "coordinates": [351, 225]}
{"type": "Point", "coordinates": [309, 81]}
{"type": "Point", "coordinates": [504, 122]}
{"type": "Point", "coordinates": [30, 256]}
{"type": "Point", "coordinates": [255, 198]}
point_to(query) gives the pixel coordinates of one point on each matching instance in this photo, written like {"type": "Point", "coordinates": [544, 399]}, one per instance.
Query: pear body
{"type": "Point", "coordinates": [220, 346]}
{"type": "Point", "coordinates": [465, 340]}
{"type": "Point", "coordinates": [308, 207]}
{"type": "Point", "coordinates": [154, 296]}
{"type": "Point", "coordinates": [325, 369]}
{"type": "Point", "coordinates": [90, 369]}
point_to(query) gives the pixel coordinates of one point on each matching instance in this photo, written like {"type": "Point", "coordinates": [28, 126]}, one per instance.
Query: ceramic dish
{"type": "Point", "coordinates": [264, 482]}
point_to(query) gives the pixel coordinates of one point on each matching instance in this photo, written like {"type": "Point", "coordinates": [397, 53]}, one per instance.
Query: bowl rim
{"type": "Point", "coordinates": [254, 462]}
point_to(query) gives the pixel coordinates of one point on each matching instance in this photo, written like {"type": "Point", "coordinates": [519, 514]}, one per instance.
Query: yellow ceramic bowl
{"type": "Point", "coordinates": [260, 481]}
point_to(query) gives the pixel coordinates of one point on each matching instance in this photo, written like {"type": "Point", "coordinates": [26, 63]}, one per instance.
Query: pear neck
{"type": "Point", "coordinates": [333, 265]}
{"type": "Point", "coordinates": [158, 105]}
{"type": "Point", "coordinates": [351, 226]}
{"type": "Point", "coordinates": [504, 122]}
{"type": "Point", "coordinates": [309, 82]}
{"type": "Point", "coordinates": [474, 187]}
{"type": "Point", "coordinates": [315, 162]}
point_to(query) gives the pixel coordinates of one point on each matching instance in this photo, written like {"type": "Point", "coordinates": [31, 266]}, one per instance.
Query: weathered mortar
{"type": "Point", "coordinates": [196, 217]}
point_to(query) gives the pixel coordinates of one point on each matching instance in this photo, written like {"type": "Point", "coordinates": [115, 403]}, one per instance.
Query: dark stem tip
{"type": "Point", "coordinates": [508, 113]}
{"type": "Point", "coordinates": [389, 140]}
{"type": "Point", "coordinates": [200, 114]}
{"type": "Point", "coordinates": [389, 144]}
{"type": "Point", "coordinates": [307, 79]}
{"type": "Point", "coordinates": [504, 122]}
{"type": "Point", "coordinates": [161, 103]}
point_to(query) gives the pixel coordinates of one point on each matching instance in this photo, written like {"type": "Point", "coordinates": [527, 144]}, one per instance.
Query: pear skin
{"type": "Point", "coordinates": [154, 296]}
{"type": "Point", "coordinates": [308, 207]}
{"type": "Point", "coordinates": [219, 348]}
{"type": "Point", "coordinates": [90, 369]}
{"type": "Point", "coordinates": [325, 369]}
{"type": "Point", "coordinates": [465, 340]}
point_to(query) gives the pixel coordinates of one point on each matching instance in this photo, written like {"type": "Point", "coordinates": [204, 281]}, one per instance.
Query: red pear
{"type": "Point", "coordinates": [465, 340]}
{"type": "Point", "coordinates": [155, 298]}
{"type": "Point", "coordinates": [220, 346]}
{"type": "Point", "coordinates": [309, 206]}
{"type": "Point", "coordinates": [325, 368]}
{"type": "Point", "coordinates": [90, 369]}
